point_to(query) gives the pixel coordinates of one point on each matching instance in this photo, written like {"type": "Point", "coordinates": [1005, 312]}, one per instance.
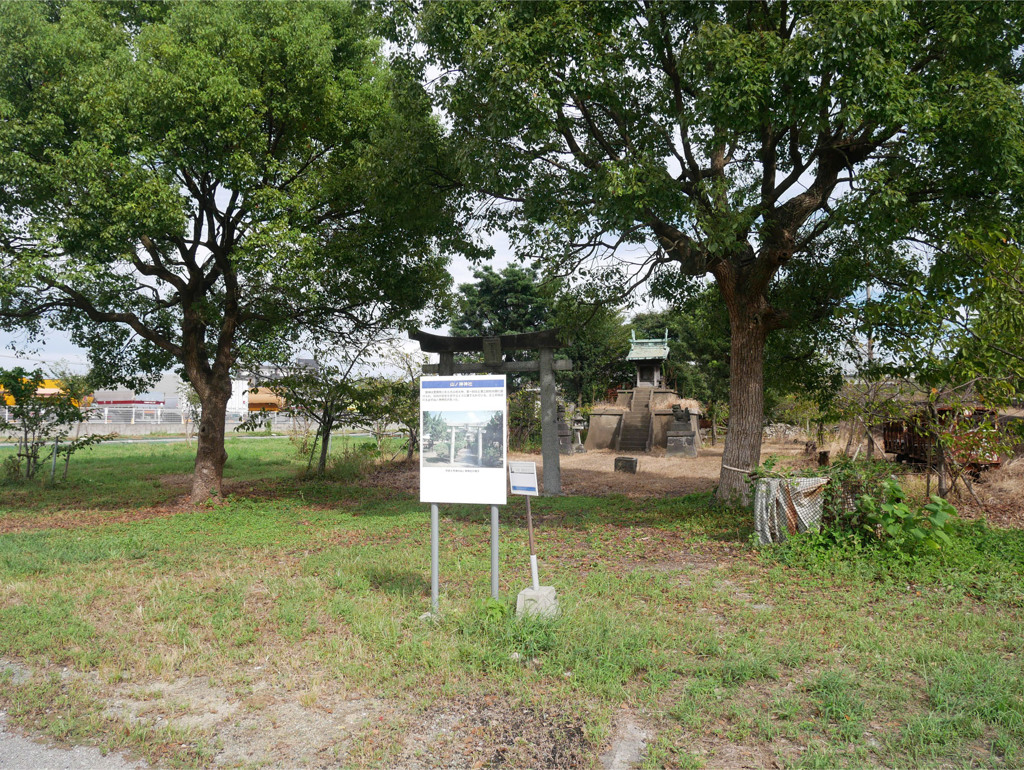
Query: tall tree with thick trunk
{"type": "Point", "coordinates": [661, 142]}
{"type": "Point", "coordinates": [208, 184]}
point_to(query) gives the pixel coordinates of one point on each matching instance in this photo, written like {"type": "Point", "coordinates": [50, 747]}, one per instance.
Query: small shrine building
{"type": "Point", "coordinates": [648, 356]}
{"type": "Point", "coordinates": [642, 418]}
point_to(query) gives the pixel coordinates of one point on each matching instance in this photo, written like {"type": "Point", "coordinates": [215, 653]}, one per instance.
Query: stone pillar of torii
{"type": "Point", "coordinates": [494, 349]}
{"type": "Point", "coordinates": [469, 437]}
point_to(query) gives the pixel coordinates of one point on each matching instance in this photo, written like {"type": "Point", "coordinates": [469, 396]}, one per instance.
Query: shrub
{"type": "Point", "coordinates": [901, 527]}
{"type": "Point", "coordinates": [302, 439]}
{"type": "Point", "coordinates": [524, 431]}
{"type": "Point", "coordinates": [864, 505]}
{"type": "Point", "coordinates": [353, 463]}
{"type": "Point", "coordinates": [848, 481]}
{"type": "Point", "coordinates": [10, 469]}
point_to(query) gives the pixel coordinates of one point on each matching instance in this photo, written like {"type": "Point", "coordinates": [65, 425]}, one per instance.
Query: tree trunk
{"type": "Point", "coordinates": [325, 445]}
{"type": "Point", "coordinates": [939, 453]}
{"type": "Point", "coordinates": [742, 452]}
{"type": "Point", "coordinates": [413, 440]}
{"type": "Point", "coordinates": [942, 469]}
{"type": "Point", "coordinates": [210, 453]}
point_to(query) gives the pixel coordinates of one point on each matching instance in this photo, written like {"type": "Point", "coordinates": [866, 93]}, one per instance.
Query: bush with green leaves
{"type": "Point", "coordinates": [40, 422]}
{"type": "Point", "coordinates": [848, 479]}
{"type": "Point", "coordinates": [524, 431]}
{"type": "Point", "coordinates": [353, 463]}
{"type": "Point", "coordinates": [904, 527]}
{"type": "Point", "coordinates": [864, 505]}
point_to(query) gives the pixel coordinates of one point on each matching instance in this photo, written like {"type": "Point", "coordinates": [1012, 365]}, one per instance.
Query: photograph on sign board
{"type": "Point", "coordinates": [470, 439]}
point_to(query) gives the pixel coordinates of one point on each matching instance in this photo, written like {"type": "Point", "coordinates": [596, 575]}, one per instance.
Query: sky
{"type": "Point", "coordinates": [56, 350]}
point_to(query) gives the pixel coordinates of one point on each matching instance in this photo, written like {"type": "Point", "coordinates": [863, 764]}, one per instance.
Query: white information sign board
{"type": "Point", "coordinates": [522, 478]}
{"type": "Point", "coordinates": [463, 439]}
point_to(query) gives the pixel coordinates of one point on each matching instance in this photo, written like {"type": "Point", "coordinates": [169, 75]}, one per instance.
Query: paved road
{"type": "Point", "coordinates": [18, 753]}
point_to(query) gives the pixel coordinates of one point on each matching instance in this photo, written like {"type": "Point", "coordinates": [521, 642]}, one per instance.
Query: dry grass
{"type": "Point", "coordinates": [659, 401]}
{"type": "Point", "coordinates": [1001, 492]}
{"type": "Point", "coordinates": [592, 473]}
{"type": "Point", "coordinates": [1007, 482]}
{"type": "Point", "coordinates": [609, 406]}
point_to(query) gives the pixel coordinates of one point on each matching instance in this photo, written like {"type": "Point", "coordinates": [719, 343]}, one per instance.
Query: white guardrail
{"type": "Point", "coordinates": [153, 415]}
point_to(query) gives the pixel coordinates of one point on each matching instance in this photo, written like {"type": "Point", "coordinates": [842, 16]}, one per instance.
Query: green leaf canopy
{"type": "Point", "coordinates": [208, 182]}
{"type": "Point", "coordinates": [792, 150]}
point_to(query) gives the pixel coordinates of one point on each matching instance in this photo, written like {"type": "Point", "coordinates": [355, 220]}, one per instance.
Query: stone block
{"type": "Point", "coordinates": [603, 429]}
{"type": "Point", "coordinates": [626, 464]}
{"type": "Point", "coordinates": [541, 603]}
{"type": "Point", "coordinates": [681, 444]}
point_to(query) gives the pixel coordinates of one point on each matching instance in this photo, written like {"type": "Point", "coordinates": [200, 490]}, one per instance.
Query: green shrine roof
{"type": "Point", "coordinates": [648, 350]}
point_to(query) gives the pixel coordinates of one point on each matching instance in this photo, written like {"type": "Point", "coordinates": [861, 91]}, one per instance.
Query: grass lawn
{"type": "Point", "coordinates": [282, 627]}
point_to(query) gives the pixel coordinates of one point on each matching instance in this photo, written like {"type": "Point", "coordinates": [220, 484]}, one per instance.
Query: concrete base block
{"type": "Point", "coordinates": [542, 603]}
{"type": "Point", "coordinates": [626, 464]}
{"type": "Point", "coordinates": [681, 445]}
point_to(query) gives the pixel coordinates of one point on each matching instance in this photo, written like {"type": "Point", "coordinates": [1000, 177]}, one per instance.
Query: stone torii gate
{"type": "Point", "coordinates": [494, 362]}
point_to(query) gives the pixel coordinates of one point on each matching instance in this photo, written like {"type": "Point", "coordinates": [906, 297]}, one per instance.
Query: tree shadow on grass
{"type": "Point", "coordinates": [693, 514]}
{"type": "Point", "coordinates": [399, 582]}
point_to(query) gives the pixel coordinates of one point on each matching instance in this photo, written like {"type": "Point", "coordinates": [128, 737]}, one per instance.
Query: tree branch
{"type": "Point", "coordinates": [80, 302]}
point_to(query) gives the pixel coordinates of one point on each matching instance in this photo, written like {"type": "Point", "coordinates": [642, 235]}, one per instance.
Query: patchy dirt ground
{"type": "Point", "coordinates": [311, 728]}
{"type": "Point", "coordinates": [494, 733]}
{"type": "Point", "coordinates": [179, 483]}
{"type": "Point", "coordinates": [1000, 493]}
{"type": "Point", "coordinates": [592, 473]}
{"type": "Point", "coordinates": [311, 723]}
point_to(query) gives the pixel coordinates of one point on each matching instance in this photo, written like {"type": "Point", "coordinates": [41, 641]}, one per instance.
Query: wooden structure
{"type": "Point", "coordinates": [971, 433]}
{"type": "Point", "coordinates": [494, 349]}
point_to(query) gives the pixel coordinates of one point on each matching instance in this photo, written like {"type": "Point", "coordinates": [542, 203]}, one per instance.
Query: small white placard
{"type": "Point", "coordinates": [523, 478]}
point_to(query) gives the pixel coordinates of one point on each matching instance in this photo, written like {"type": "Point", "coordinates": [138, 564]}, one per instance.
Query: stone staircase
{"type": "Point", "coordinates": [636, 423]}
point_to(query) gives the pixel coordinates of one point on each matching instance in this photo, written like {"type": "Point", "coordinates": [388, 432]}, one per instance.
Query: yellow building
{"type": "Point", "coordinates": [48, 388]}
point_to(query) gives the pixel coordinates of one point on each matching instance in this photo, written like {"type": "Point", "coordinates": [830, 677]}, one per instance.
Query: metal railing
{"type": "Point", "coordinates": [152, 415]}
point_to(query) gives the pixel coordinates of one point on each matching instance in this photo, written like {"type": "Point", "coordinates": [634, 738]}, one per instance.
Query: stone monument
{"type": "Point", "coordinates": [683, 433]}
{"type": "Point", "coordinates": [564, 436]}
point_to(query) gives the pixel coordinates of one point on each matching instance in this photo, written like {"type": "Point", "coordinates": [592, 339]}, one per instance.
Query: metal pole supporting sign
{"type": "Point", "coordinates": [494, 552]}
{"type": "Point", "coordinates": [533, 550]}
{"type": "Point", "coordinates": [434, 559]}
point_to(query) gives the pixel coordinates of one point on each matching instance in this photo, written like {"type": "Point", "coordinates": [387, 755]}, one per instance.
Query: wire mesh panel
{"type": "Point", "coordinates": [784, 507]}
